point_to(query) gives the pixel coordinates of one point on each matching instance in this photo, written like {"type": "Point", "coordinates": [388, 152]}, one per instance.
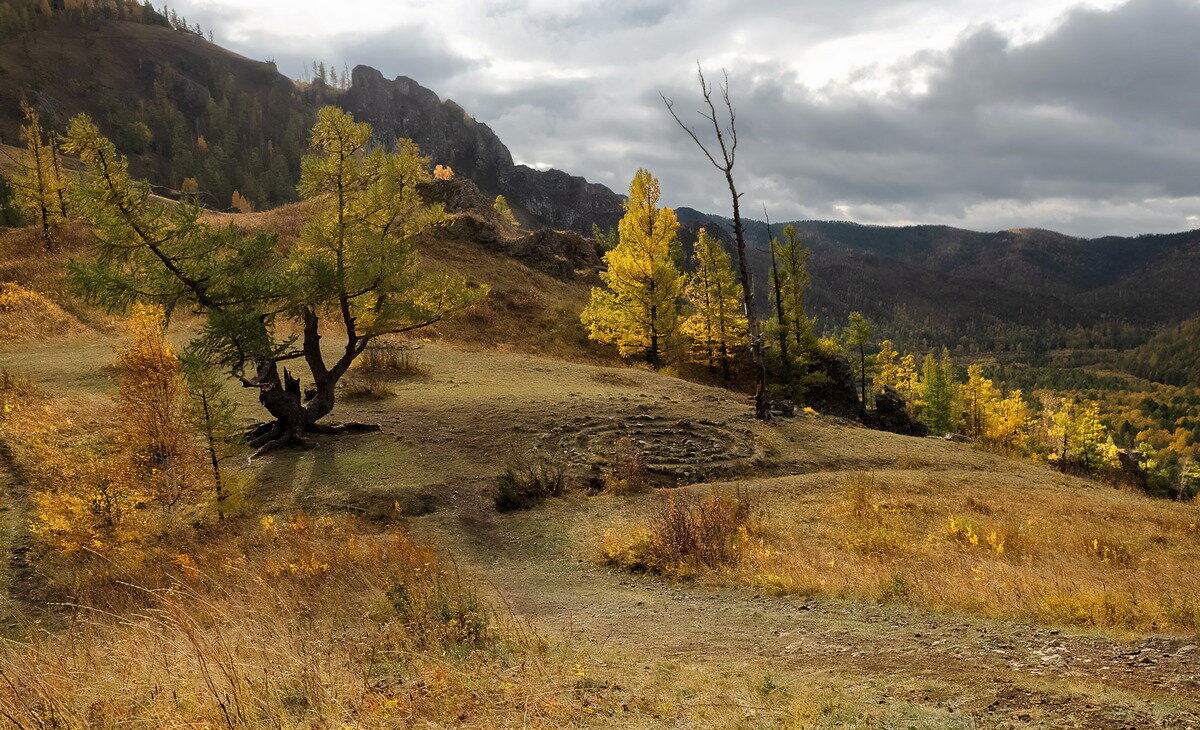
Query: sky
{"type": "Point", "coordinates": [1081, 116]}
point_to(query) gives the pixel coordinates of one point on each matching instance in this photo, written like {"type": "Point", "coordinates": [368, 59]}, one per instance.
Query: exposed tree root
{"type": "Point", "coordinates": [266, 437]}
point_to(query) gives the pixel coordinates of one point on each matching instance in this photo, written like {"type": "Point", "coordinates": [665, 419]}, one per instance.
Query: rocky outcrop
{"type": "Point", "coordinates": [891, 414]}
{"type": "Point", "coordinates": [835, 394]}
{"type": "Point", "coordinates": [559, 200]}
{"type": "Point", "coordinates": [561, 254]}
{"type": "Point", "coordinates": [458, 195]}
{"type": "Point", "coordinates": [402, 108]}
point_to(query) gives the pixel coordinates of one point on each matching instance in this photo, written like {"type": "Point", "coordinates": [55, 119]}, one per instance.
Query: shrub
{"type": "Point", "coordinates": [686, 534]}
{"type": "Point", "coordinates": [365, 387]}
{"type": "Point", "coordinates": [630, 474]}
{"type": "Point", "coordinates": [858, 500]}
{"type": "Point", "coordinates": [527, 481]}
{"type": "Point", "coordinates": [878, 539]}
{"type": "Point", "coordinates": [392, 360]}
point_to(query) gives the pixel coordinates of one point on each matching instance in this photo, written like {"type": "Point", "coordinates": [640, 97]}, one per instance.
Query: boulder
{"type": "Point", "coordinates": [891, 414]}
{"type": "Point", "coordinates": [835, 393]}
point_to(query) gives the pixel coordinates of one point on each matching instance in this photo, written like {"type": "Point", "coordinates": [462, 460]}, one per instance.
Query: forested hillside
{"type": "Point", "coordinates": [195, 118]}
{"type": "Point", "coordinates": [1020, 291]}
{"type": "Point", "coordinates": [1172, 356]}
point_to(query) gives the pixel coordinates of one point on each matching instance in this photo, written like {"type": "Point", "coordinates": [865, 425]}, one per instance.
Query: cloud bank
{"type": "Point", "coordinates": [1081, 119]}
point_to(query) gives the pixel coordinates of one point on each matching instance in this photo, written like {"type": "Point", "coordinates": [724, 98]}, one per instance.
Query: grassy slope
{"type": "Point", "coordinates": [444, 440]}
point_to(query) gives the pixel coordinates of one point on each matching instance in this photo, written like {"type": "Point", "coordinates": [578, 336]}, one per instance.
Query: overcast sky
{"type": "Point", "coordinates": [1078, 115]}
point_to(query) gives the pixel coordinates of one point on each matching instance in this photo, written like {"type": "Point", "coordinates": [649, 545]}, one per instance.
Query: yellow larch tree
{"type": "Point", "coordinates": [978, 400]}
{"type": "Point", "coordinates": [716, 325]}
{"type": "Point", "coordinates": [39, 184]}
{"type": "Point", "coordinates": [155, 430]}
{"type": "Point", "coordinates": [638, 308]}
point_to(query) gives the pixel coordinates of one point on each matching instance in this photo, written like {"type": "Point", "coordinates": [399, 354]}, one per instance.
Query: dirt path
{"type": "Point", "coordinates": [999, 674]}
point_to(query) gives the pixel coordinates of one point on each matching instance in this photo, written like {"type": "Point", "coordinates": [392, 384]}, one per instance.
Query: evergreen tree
{"type": "Point", "coordinates": [792, 327]}
{"type": "Point", "coordinates": [638, 309]}
{"type": "Point", "coordinates": [717, 326]}
{"type": "Point", "coordinates": [606, 240]}
{"type": "Point", "coordinates": [355, 264]}
{"type": "Point", "coordinates": [10, 213]}
{"type": "Point", "coordinates": [939, 394]}
{"type": "Point", "coordinates": [213, 416]}
{"type": "Point", "coordinates": [856, 340]}
{"type": "Point", "coordinates": [1079, 438]}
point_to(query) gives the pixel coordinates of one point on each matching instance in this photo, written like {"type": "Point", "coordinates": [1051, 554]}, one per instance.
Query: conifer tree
{"type": "Point", "coordinates": [638, 309]}
{"type": "Point", "coordinates": [1008, 425]}
{"type": "Point", "coordinates": [887, 367]}
{"type": "Point", "coordinates": [857, 339]}
{"type": "Point", "coordinates": [213, 416]}
{"type": "Point", "coordinates": [908, 382]}
{"type": "Point", "coordinates": [39, 181]}
{"type": "Point", "coordinates": [10, 214]}
{"type": "Point", "coordinates": [792, 328]}
{"type": "Point", "coordinates": [979, 402]}
{"type": "Point", "coordinates": [1079, 437]}
{"type": "Point", "coordinates": [717, 326]}
{"type": "Point", "coordinates": [939, 394]}
{"type": "Point", "coordinates": [503, 211]}
{"type": "Point", "coordinates": [241, 203]}
{"type": "Point", "coordinates": [356, 264]}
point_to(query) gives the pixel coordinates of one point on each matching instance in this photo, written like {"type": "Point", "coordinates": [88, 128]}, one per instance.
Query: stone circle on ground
{"type": "Point", "coordinates": [690, 449]}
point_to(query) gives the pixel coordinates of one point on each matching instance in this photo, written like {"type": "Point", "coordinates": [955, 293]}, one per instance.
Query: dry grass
{"type": "Point", "coordinates": [1092, 557]}
{"type": "Point", "coordinates": [295, 624]}
{"type": "Point", "coordinates": [392, 360]}
{"type": "Point", "coordinates": [528, 480]}
{"type": "Point", "coordinates": [358, 386]}
{"type": "Point", "coordinates": [27, 315]}
{"type": "Point", "coordinates": [629, 473]}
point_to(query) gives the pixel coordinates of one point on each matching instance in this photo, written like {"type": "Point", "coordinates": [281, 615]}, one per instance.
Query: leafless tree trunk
{"type": "Point", "coordinates": [725, 131]}
{"type": "Point", "coordinates": [781, 319]}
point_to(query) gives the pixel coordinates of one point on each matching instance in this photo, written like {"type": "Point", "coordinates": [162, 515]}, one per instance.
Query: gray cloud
{"type": "Point", "coordinates": [1089, 128]}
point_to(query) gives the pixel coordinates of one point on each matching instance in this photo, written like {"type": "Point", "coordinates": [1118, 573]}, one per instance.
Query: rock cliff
{"type": "Point", "coordinates": [401, 107]}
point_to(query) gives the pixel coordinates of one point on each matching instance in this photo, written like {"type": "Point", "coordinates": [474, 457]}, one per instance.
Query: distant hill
{"type": "Point", "coordinates": [186, 110]}
{"type": "Point", "coordinates": [1026, 288]}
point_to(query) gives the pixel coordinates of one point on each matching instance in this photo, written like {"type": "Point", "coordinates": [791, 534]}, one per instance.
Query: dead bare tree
{"type": "Point", "coordinates": [725, 131]}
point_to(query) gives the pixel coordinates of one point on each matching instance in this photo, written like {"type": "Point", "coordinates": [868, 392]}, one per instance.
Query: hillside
{"type": "Point", "coordinates": [182, 107]}
{"type": "Point", "coordinates": [1170, 356]}
{"type": "Point", "coordinates": [701, 651]}
{"type": "Point", "coordinates": [1029, 288]}
{"type": "Point", "coordinates": [228, 123]}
